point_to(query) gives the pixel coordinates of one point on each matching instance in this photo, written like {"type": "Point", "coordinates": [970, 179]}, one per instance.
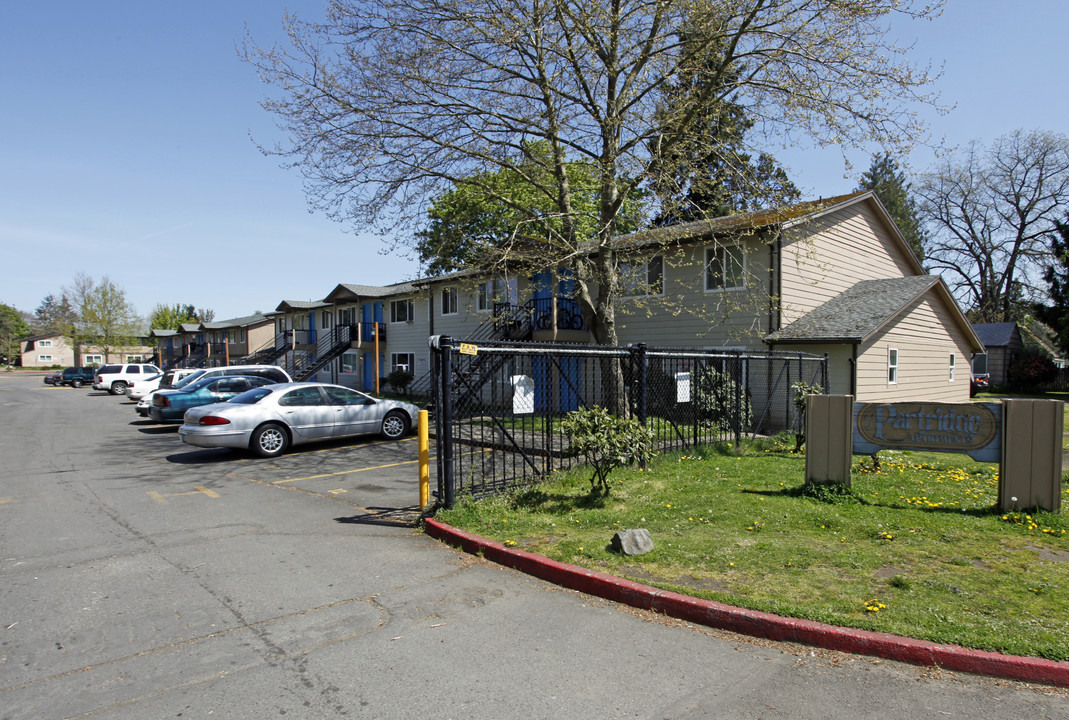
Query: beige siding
{"type": "Point", "coordinates": [830, 254]}
{"type": "Point", "coordinates": [840, 369]}
{"type": "Point", "coordinates": [924, 346]}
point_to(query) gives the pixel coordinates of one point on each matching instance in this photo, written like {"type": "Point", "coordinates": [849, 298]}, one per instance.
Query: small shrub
{"type": "Point", "coordinates": [802, 389]}
{"type": "Point", "coordinates": [1031, 368]}
{"type": "Point", "coordinates": [715, 396]}
{"type": "Point", "coordinates": [400, 380]}
{"type": "Point", "coordinates": [606, 442]}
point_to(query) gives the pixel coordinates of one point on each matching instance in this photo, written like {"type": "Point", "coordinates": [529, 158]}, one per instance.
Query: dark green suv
{"type": "Point", "coordinates": [76, 376]}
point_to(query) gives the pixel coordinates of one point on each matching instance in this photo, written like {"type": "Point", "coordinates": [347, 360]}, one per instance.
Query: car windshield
{"type": "Point", "coordinates": [251, 397]}
{"type": "Point", "coordinates": [187, 380]}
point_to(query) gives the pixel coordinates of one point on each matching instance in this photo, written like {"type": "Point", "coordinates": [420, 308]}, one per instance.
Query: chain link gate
{"type": "Point", "coordinates": [498, 404]}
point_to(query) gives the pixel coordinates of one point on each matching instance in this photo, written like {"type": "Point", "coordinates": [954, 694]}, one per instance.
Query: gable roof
{"type": "Point", "coordinates": [995, 334]}
{"type": "Point", "coordinates": [354, 292]}
{"type": "Point", "coordinates": [245, 321]}
{"type": "Point", "coordinates": [782, 218]}
{"type": "Point", "coordinates": [857, 313]}
{"type": "Point", "coordinates": [297, 305]}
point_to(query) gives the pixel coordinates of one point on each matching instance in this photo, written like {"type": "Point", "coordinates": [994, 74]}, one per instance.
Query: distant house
{"type": "Point", "coordinates": [50, 349]}
{"type": "Point", "coordinates": [1001, 341]}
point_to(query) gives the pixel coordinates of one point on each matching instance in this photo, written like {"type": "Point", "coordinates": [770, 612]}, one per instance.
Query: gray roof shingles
{"type": "Point", "coordinates": [856, 313]}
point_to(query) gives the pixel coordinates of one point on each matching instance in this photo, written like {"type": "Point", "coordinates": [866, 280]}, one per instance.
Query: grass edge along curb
{"type": "Point", "coordinates": [755, 623]}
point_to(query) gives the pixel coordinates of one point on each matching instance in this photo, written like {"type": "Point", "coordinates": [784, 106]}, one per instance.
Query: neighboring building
{"type": "Point", "coordinates": [50, 349]}
{"type": "Point", "coordinates": [1001, 341]}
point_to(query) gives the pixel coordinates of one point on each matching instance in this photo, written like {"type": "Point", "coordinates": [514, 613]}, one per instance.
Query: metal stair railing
{"type": "Point", "coordinates": [329, 345]}
{"type": "Point", "coordinates": [268, 353]}
{"type": "Point", "coordinates": [507, 322]}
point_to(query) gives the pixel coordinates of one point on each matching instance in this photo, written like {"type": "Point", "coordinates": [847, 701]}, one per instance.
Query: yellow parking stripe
{"type": "Point", "coordinates": [346, 472]}
{"type": "Point", "coordinates": [200, 489]}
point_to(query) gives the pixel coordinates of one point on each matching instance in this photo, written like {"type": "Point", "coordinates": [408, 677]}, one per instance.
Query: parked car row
{"type": "Point", "coordinates": [71, 377]}
{"type": "Point", "coordinates": [257, 407]}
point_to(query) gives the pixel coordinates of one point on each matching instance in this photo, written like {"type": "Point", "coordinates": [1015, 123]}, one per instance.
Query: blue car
{"type": "Point", "coordinates": [171, 405]}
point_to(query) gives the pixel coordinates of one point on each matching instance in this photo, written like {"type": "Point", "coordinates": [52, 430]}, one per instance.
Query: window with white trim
{"type": "Point", "coordinates": [44, 343]}
{"type": "Point", "coordinates": [93, 359]}
{"type": "Point", "coordinates": [44, 358]}
{"type": "Point", "coordinates": [403, 361]}
{"type": "Point", "coordinates": [953, 360]}
{"type": "Point", "coordinates": [324, 320]}
{"type": "Point", "coordinates": [725, 268]}
{"type": "Point", "coordinates": [642, 277]}
{"type": "Point", "coordinates": [490, 292]}
{"type": "Point", "coordinates": [401, 311]}
{"type": "Point", "coordinates": [449, 301]}
{"type": "Point", "coordinates": [892, 366]}
{"type": "Point", "coordinates": [349, 362]}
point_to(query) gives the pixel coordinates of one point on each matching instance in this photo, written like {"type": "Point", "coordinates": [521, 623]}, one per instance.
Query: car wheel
{"type": "Point", "coordinates": [118, 388]}
{"type": "Point", "coordinates": [76, 383]}
{"type": "Point", "coordinates": [269, 440]}
{"type": "Point", "coordinates": [394, 425]}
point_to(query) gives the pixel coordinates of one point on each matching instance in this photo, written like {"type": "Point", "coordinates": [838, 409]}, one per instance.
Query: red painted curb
{"type": "Point", "coordinates": [755, 623]}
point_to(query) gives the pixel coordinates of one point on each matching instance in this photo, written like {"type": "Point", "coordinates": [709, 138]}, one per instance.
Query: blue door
{"type": "Point", "coordinates": [368, 361]}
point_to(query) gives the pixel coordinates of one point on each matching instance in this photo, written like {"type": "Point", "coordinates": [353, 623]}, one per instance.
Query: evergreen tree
{"type": "Point", "coordinates": [54, 314]}
{"type": "Point", "coordinates": [888, 181]}
{"type": "Point", "coordinates": [700, 167]}
{"type": "Point", "coordinates": [1057, 277]}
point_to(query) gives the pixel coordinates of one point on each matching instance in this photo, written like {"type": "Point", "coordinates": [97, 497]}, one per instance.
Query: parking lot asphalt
{"type": "Point", "coordinates": [140, 577]}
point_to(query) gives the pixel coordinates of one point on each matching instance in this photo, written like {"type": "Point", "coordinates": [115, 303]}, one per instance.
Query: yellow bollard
{"type": "Point", "coordinates": [424, 460]}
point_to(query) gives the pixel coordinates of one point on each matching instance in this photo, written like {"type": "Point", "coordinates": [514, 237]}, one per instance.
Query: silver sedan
{"type": "Point", "coordinates": [267, 420]}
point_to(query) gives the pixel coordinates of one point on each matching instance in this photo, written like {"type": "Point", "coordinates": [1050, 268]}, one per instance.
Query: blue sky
{"type": "Point", "coordinates": [125, 146]}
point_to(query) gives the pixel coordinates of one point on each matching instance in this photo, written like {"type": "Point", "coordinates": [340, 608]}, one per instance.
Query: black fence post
{"type": "Point", "coordinates": [639, 357]}
{"type": "Point", "coordinates": [445, 347]}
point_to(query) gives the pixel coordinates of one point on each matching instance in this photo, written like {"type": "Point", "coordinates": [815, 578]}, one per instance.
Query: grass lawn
{"type": "Point", "coordinates": [914, 548]}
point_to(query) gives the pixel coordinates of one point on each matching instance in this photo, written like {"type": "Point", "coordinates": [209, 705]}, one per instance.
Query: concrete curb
{"type": "Point", "coordinates": [751, 622]}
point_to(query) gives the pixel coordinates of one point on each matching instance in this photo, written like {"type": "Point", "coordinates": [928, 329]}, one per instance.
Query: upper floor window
{"type": "Point", "coordinates": [953, 361]}
{"type": "Point", "coordinates": [725, 268]}
{"type": "Point", "coordinates": [325, 320]}
{"type": "Point", "coordinates": [346, 316]}
{"type": "Point", "coordinates": [892, 366]}
{"type": "Point", "coordinates": [44, 343]}
{"type": "Point", "coordinates": [493, 291]}
{"type": "Point", "coordinates": [642, 277]}
{"type": "Point", "coordinates": [449, 301]}
{"type": "Point", "coordinates": [401, 311]}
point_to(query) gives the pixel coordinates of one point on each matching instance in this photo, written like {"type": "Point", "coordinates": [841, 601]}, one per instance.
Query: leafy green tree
{"type": "Point", "coordinates": [1057, 277]}
{"type": "Point", "coordinates": [496, 214]}
{"type": "Point", "coordinates": [13, 327]}
{"type": "Point", "coordinates": [171, 317]}
{"type": "Point", "coordinates": [105, 317]}
{"type": "Point", "coordinates": [888, 181]}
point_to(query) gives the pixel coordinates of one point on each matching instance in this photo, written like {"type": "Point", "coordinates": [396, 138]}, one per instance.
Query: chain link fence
{"type": "Point", "coordinates": [498, 405]}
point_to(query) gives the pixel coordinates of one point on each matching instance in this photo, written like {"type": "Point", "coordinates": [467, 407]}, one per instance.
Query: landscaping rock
{"type": "Point", "coordinates": [632, 542]}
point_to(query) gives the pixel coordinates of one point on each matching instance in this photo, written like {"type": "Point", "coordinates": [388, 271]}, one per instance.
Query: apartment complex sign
{"type": "Point", "coordinates": [972, 428]}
